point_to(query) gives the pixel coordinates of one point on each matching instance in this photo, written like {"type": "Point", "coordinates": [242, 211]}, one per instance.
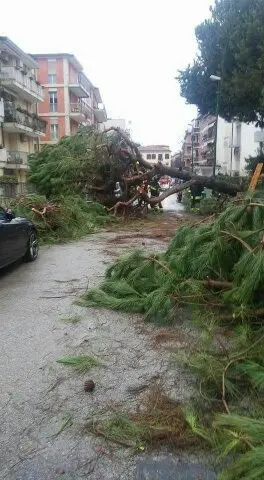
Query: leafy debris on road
{"type": "Point", "coordinates": [82, 363]}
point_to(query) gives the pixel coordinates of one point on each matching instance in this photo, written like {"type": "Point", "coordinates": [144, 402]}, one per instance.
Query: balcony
{"type": "Point", "coordinates": [17, 121]}
{"type": "Point", "coordinates": [209, 138]}
{"type": "Point", "coordinates": [16, 159]}
{"type": "Point", "coordinates": [13, 159]}
{"type": "Point", "coordinates": [80, 112]}
{"type": "Point", "coordinates": [21, 84]}
{"type": "Point", "coordinates": [208, 126]}
{"type": "Point", "coordinates": [80, 86]}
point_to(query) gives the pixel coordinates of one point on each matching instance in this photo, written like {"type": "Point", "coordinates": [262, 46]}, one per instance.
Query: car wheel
{"type": "Point", "coordinates": [32, 250]}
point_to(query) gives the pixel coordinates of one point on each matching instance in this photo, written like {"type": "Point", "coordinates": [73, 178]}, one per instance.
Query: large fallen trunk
{"type": "Point", "coordinates": [208, 182]}
{"type": "Point", "coordinates": [176, 189]}
{"type": "Point", "coordinates": [152, 201]}
{"type": "Point", "coordinates": [159, 169]}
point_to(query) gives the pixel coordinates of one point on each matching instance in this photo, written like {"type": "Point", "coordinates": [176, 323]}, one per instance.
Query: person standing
{"type": "Point", "coordinates": [155, 190]}
{"type": "Point", "coordinates": [196, 196]}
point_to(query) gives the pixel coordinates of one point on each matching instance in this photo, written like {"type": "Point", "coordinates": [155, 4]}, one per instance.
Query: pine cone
{"type": "Point", "coordinates": [89, 386]}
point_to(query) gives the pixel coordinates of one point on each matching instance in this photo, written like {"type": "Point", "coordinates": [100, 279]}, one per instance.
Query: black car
{"type": "Point", "coordinates": [18, 239]}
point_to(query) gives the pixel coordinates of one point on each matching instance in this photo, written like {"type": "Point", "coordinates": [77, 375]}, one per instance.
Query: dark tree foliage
{"type": "Point", "coordinates": [231, 45]}
{"type": "Point", "coordinates": [251, 162]}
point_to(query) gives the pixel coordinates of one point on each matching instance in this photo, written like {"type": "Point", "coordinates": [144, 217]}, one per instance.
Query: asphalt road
{"type": "Point", "coordinates": [44, 408]}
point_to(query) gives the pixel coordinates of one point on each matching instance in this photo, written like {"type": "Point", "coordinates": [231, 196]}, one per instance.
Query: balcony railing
{"type": "Point", "coordinates": [82, 80]}
{"type": "Point", "coordinates": [9, 73]}
{"type": "Point", "coordinates": [81, 108]}
{"type": "Point", "coordinates": [12, 115]}
{"type": "Point", "coordinates": [16, 157]}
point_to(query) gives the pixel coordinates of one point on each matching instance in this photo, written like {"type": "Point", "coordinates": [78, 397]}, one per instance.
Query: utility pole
{"type": "Point", "coordinates": [217, 79]}
{"type": "Point", "coordinates": [231, 153]}
{"type": "Point", "coordinates": [192, 152]}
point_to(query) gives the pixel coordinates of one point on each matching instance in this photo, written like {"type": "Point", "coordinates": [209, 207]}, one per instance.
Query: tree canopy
{"type": "Point", "coordinates": [230, 45]}
{"type": "Point", "coordinates": [88, 161]}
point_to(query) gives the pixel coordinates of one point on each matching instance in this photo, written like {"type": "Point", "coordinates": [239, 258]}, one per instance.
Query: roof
{"type": "Point", "coordinates": [7, 45]}
{"type": "Point", "coordinates": [69, 56]}
{"type": "Point", "coordinates": [152, 148]}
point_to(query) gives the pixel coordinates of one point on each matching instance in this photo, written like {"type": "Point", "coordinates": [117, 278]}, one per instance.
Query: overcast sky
{"type": "Point", "coordinates": [130, 49]}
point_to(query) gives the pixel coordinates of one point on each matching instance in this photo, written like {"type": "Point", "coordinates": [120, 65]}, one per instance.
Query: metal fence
{"type": "Point", "coordinates": [9, 191]}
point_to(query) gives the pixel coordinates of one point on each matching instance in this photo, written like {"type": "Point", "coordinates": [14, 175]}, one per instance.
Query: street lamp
{"type": "Point", "coordinates": [215, 78]}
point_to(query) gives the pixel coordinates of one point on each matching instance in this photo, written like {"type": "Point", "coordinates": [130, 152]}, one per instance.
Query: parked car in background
{"type": "Point", "coordinates": [18, 239]}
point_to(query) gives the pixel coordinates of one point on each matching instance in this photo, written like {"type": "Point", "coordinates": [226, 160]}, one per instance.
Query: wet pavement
{"type": "Point", "coordinates": [43, 405]}
{"type": "Point", "coordinates": [171, 467]}
{"type": "Point", "coordinates": [171, 204]}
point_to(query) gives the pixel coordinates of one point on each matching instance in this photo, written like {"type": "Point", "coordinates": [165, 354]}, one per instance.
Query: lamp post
{"type": "Point", "coordinates": [217, 79]}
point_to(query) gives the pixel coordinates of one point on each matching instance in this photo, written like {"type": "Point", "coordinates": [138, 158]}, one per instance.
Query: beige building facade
{"type": "Point", "coordinates": [156, 153]}
{"type": "Point", "coordinates": [21, 128]}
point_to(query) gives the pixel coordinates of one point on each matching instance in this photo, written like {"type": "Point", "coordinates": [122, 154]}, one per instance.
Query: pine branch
{"type": "Point", "coordinates": [218, 284]}
{"type": "Point", "coordinates": [238, 357]}
{"type": "Point", "coordinates": [246, 245]}
{"type": "Point", "coordinates": [117, 206]}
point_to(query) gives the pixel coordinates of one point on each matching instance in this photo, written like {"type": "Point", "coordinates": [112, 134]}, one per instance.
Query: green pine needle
{"type": "Point", "coordinates": [255, 372]}
{"type": "Point", "coordinates": [82, 363]}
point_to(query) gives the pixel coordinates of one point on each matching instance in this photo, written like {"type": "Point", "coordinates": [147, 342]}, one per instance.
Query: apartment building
{"type": "Point", "coordinates": [156, 153]}
{"type": "Point", "coordinates": [191, 145]}
{"type": "Point", "coordinates": [187, 149]}
{"type": "Point", "coordinates": [236, 141]}
{"type": "Point", "coordinates": [70, 98]}
{"type": "Point", "coordinates": [20, 93]}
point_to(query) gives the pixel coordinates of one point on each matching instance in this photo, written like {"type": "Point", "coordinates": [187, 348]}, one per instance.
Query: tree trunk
{"type": "Point", "coordinates": [156, 200]}
{"type": "Point", "coordinates": [160, 169]}
{"type": "Point", "coordinates": [209, 182]}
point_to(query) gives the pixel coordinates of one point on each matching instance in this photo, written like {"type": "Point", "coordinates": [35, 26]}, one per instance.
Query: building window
{"type": "Point", "coordinates": [52, 78]}
{"type": "Point", "coordinates": [167, 156]}
{"type": "Point", "coordinates": [153, 156]}
{"type": "Point", "coordinates": [54, 131]}
{"type": "Point", "coordinates": [148, 156]}
{"type": "Point", "coordinates": [160, 157]}
{"type": "Point", "coordinates": [53, 102]}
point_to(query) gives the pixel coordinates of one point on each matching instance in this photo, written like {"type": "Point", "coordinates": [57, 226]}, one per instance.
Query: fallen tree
{"type": "Point", "coordinates": [221, 261]}
{"type": "Point", "coordinates": [62, 218]}
{"type": "Point", "coordinates": [214, 269]}
{"type": "Point", "coordinates": [91, 162]}
{"type": "Point", "coordinates": [216, 184]}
